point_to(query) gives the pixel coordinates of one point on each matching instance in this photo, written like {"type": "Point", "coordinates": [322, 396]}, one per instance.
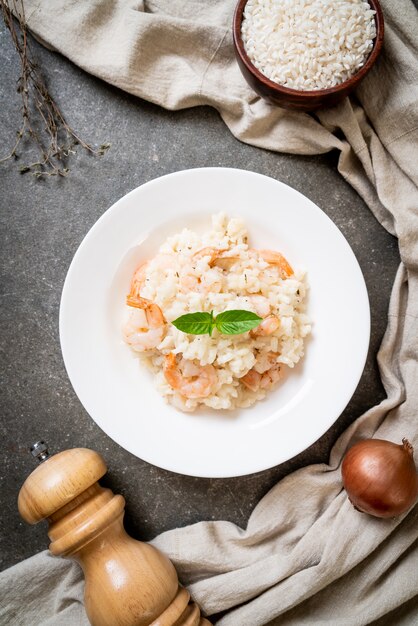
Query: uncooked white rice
{"type": "Point", "coordinates": [308, 44]}
{"type": "Point", "coordinates": [180, 280]}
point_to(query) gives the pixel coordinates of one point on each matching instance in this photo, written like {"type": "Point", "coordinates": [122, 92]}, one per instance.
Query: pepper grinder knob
{"type": "Point", "coordinates": [40, 451]}
{"type": "Point", "coordinates": [128, 582]}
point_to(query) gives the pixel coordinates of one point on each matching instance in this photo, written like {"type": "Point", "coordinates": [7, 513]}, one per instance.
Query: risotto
{"type": "Point", "coordinates": [216, 272]}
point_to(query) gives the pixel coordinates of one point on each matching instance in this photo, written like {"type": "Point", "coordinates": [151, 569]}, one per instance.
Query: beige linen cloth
{"type": "Point", "coordinates": [306, 556]}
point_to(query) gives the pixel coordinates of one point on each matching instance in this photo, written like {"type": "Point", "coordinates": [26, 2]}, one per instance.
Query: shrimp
{"type": "Point", "coordinates": [190, 380]}
{"type": "Point", "coordinates": [146, 326]}
{"type": "Point", "coordinates": [218, 257]}
{"type": "Point", "coordinates": [225, 262]}
{"type": "Point", "coordinates": [212, 253]}
{"type": "Point", "coordinates": [267, 327]}
{"type": "Point", "coordinates": [271, 377]}
{"type": "Point", "coordinates": [161, 261]}
{"type": "Point", "coordinates": [254, 381]}
{"type": "Point", "coordinates": [270, 323]}
{"type": "Point", "coordinates": [188, 279]}
{"type": "Point", "coordinates": [138, 280]}
{"type": "Point", "coordinates": [275, 258]}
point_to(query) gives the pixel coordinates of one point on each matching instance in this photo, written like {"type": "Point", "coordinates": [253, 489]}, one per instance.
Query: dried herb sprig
{"type": "Point", "coordinates": [43, 121]}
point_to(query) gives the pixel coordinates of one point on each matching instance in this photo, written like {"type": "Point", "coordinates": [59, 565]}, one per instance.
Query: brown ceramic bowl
{"type": "Point", "coordinates": [297, 99]}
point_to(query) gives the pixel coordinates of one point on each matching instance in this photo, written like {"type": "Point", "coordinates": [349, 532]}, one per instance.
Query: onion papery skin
{"type": "Point", "coordinates": [380, 477]}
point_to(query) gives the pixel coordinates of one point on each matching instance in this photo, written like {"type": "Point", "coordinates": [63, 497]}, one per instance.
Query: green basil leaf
{"type": "Point", "coordinates": [228, 323]}
{"type": "Point", "coordinates": [236, 322]}
{"type": "Point", "coordinates": [198, 323]}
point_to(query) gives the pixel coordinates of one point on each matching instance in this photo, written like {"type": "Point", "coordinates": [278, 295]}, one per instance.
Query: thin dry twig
{"type": "Point", "coordinates": [43, 121]}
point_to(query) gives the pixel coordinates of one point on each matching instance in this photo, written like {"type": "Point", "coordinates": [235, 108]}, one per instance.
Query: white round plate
{"type": "Point", "coordinates": [118, 392]}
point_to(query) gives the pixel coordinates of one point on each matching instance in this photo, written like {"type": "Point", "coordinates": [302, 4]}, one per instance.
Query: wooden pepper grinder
{"type": "Point", "coordinates": [127, 582]}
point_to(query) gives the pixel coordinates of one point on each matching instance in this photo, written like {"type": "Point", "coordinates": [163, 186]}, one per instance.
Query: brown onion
{"type": "Point", "coordinates": [380, 477]}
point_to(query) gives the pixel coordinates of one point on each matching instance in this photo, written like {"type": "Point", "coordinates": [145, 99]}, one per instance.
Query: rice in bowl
{"type": "Point", "coordinates": [217, 271]}
{"type": "Point", "coordinates": [308, 44]}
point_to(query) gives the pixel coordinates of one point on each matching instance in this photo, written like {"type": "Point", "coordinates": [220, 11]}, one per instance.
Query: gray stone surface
{"type": "Point", "coordinates": [42, 224]}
